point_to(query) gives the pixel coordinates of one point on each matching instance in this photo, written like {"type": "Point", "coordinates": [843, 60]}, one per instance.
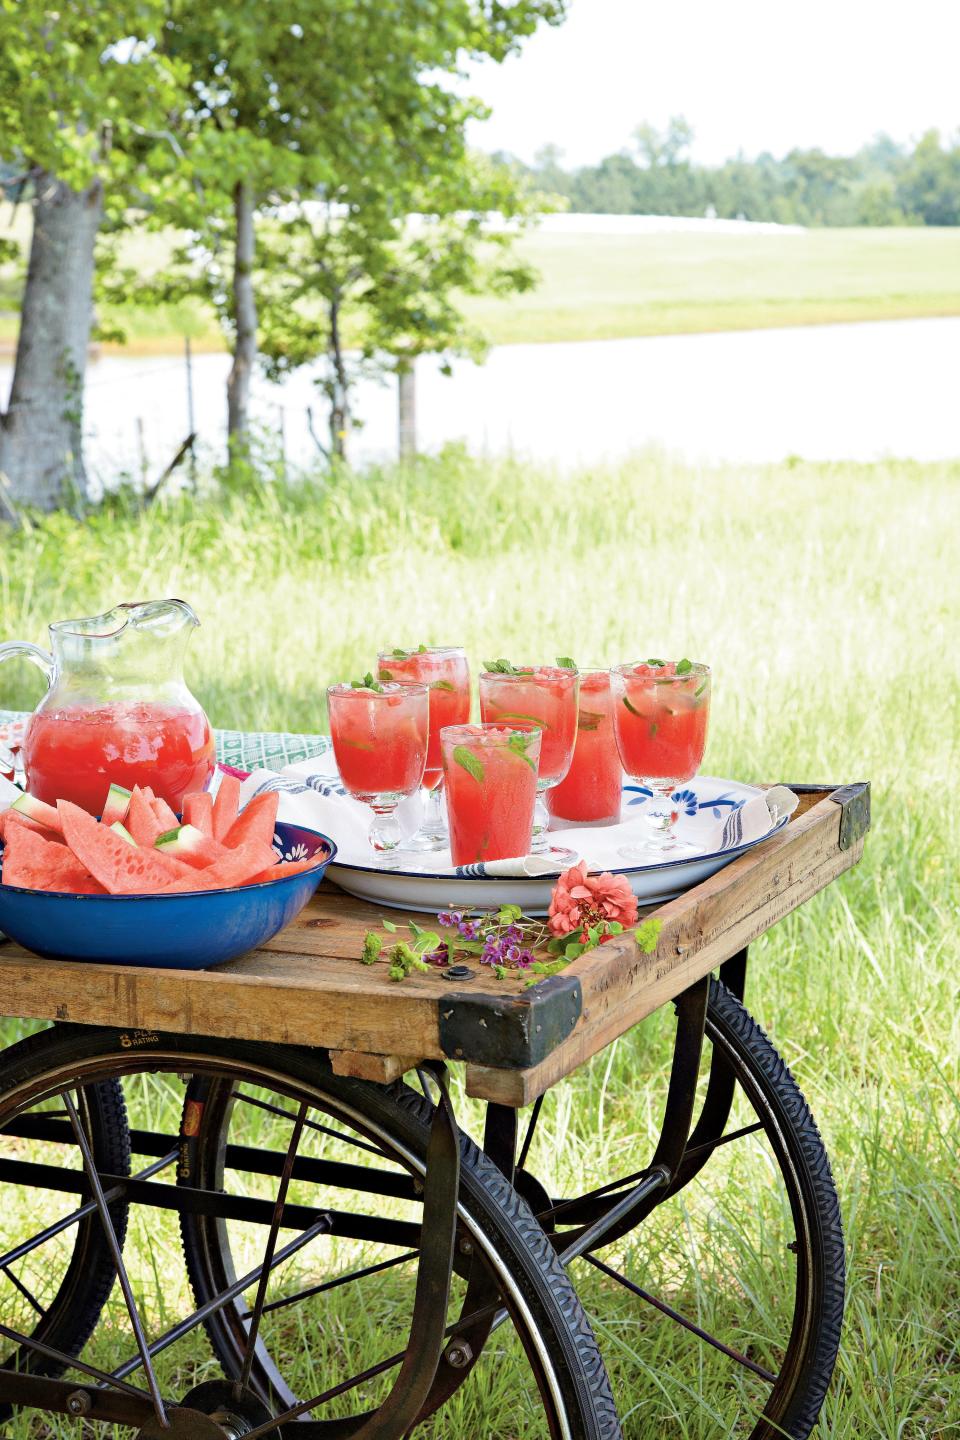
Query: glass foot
{"type": "Point", "coordinates": [423, 842]}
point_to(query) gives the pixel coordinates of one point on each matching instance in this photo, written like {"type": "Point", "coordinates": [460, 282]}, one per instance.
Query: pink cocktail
{"type": "Point", "coordinates": [545, 696]}
{"type": "Point", "coordinates": [661, 709]}
{"type": "Point", "coordinates": [379, 735]}
{"type": "Point", "coordinates": [444, 670]}
{"type": "Point", "coordinates": [490, 775]}
{"type": "Point", "coordinates": [590, 792]}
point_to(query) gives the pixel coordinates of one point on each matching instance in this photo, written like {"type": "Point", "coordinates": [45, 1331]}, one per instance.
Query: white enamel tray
{"type": "Point", "coordinates": [708, 806]}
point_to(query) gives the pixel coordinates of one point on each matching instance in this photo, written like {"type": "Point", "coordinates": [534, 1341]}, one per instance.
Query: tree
{"type": "Point", "coordinates": [371, 290]}
{"type": "Point", "coordinates": [81, 95]}
{"type": "Point", "coordinates": [929, 184]}
{"type": "Point", "coordinates": [288, 105]}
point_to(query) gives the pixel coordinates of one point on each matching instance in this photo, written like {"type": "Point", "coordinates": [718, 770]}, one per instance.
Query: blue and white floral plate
{"type": "Point", "coordinates": [718, 820]}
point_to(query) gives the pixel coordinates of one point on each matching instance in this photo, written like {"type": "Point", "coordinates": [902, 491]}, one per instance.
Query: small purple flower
{"type": "Point", "coordinates": [446, 919]}
{"type": "Point", "coordinates": [492, 953]}
{"type": "Point", "coordinates": [513, 954]}
{"type": "Point", "coordinates": [469, 929]}
{"type": "Point", "coordinates": [524, 960]}
{"type": "Point", "coordinates": [512, 934]}
{"type": "Point", "coordinates": [440, 956]}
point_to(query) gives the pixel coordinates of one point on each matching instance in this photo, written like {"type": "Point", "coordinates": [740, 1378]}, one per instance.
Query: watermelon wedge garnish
{"type": "Point", "coordinates": [190, 845]}
{"type": "Point", "coordinates": [38, 864]}
{"type": "Point", "coordinates": [198, 811]}
{"type": "Point", "coordinates": [121, 868]}
{"type": "Point", "coordinates": [39, 812]}
{"type": "Point", "coordinates": [116, 805]}
{"type": "Point", "coordinates": [165, 816]}
{"type": "Point", "coordinates": [225, 806]}
{"type": "Point", "coordinates": [256, 821]}
{"type": "Point", "coordinates": [285, 867]}
{"type": "Point", "coordinates": [141, 820]}
{"type": "Point", "coordinates": [235, 867]}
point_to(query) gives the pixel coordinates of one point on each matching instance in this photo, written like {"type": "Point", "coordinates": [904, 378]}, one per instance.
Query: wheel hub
{"type": "Point", "coordinates": [212, 1411]}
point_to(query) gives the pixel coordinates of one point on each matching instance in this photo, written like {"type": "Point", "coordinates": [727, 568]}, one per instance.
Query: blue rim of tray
{"type": "Point", "coordinates": [664, 865]}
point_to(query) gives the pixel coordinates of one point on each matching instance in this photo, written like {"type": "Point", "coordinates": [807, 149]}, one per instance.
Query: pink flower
{"type": "Point", "coordinates": [581, 901]}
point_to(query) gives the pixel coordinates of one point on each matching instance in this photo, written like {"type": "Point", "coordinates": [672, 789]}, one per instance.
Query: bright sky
{"type": "Point", "coordinates": [748, 74]}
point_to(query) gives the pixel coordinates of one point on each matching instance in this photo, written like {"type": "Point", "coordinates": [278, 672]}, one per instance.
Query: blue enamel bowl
{"type": "Point", "coordinates": [192, 930]}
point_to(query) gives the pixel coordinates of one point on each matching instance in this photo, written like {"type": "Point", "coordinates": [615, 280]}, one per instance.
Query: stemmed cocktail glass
{"type": "Point", "coordinates": [545, 696]}
{"type": "Point", "coordinates": [444, 670]}
{"type": "Point", "coordinates": [379, 735]}
{"type": "Point", "coordinates": [660, 711]}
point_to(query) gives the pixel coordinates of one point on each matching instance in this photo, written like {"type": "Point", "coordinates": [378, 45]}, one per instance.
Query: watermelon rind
{"type": "Point", "coordinates": [120, 829]}
{"type": "Point", "coordinates": [116, 806]}
{"type": "Point", "coordinates": [37, 810]}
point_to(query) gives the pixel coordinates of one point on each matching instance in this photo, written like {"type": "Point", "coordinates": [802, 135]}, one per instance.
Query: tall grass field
{"type": "Point", "coordinates": [827, 599]}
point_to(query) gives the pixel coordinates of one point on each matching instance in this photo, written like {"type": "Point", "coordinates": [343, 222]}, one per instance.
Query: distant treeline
{"type": "Point", "coordinates": [885, 183]}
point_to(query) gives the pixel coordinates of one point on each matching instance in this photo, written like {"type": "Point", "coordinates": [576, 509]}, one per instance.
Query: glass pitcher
{"type": "Point", "coordinates": [117, 710]}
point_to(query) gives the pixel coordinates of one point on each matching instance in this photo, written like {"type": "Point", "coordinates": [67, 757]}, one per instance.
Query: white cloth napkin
{"type": "Point", "coordinates": [711, 820]}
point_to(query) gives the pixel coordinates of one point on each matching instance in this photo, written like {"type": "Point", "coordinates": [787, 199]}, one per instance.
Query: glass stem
{"type": "Point", "coordinates": [541, 819]}
{"type": "Point", "coordinates": [662, 815]}
{"type": "Point", "coordinates": [385, 836]}
{"type": "Point", "coordinates": [435, 814]}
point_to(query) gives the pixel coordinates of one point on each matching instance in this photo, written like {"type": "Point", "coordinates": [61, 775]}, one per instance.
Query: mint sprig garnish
{"type": "Point", "coordinates": [655, 662]}
{"type": "Point", "coordinates": [700, 688]}
{"type": "Point", "coordinates": [367, 683]}
{"type": "Point", "coordinates": [684, 667]}
{"type": "Point", "coordinates": [632, 708]}
{"type": "Point", "coordinates": [500, 667]}
{"type": "Point", "coordinates": [469, 762]}
{"type": "Point", "coordinates": [589, 719]}
{"type": "Point", "coordinates": [566, 663]}
{"type": "Point", "coordinates": [442, 685]}
{"type": "Point", "coordinates": [518, 743]}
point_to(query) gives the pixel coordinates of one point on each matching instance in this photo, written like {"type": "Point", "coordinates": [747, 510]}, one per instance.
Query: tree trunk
{"type": "Point", "coordinates": [245, 319]}
{"type": "Point", "coordinates": [407, 405]}
{"type": "Point", "coordinates": [41, 434]}
{"type": "Point", "coordinates": [339, 384]}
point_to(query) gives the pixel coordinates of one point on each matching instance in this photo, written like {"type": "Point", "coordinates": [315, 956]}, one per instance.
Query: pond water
{"type": "Point", "coordinates": [823, 392]}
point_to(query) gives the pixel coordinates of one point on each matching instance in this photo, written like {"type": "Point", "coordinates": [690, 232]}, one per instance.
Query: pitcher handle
{"type": "Point", "coordinates": [41, 658]}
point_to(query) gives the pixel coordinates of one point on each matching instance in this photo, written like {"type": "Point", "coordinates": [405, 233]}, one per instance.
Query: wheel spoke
{"type": "Point", "coordinates": [531, 1128]}
{"type": "Point", "coordinates": [70, 1362]}
{"type": "Point", "coordinates": [115, 1251]}
{"type": "Point", "coordinates": [672, 1314]}
{"type": "Point", "coordinates": [114, 1193]}
{"type": "Point", "coordinates": [709, 1145]}
{"type": "Point", "coordinates": [310, 1124]}
{"type": "Point", "coordinates": [217, 1302]}
{"type": "Point", "coordinates": [286, 1300]}
{"type": "Point", "coordinates": [271, 1245]}
{"type": "Point", "coordinates": [27, 1294]}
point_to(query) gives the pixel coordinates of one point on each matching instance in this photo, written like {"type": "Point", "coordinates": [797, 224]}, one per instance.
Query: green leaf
{"type": "Point", "coordinates": [656, 662]}
{"type": "Point", "coordinates": [684, 667]}
{"type": "Point", "coordinates": [574, 949]}
{"type": "Point", "coordinates": [515, 715]}
{"type": "Point", "coordinates": [389, 925]}
{"type": "Point", "coordinates": [469, 762]}
{"type": "Point", "coordinates": [385, 674]}
{"type": "Point", "coordinates": [426, 940]}
{"type": "Point", "coordinates": [507, 914]}
{"type": "Point", "coordinates": [566, 663]}
{"type": "Point", "coordinates": [632, 708]}
{"type": "Point", "coordinates": [442, 685]}
{"type": "Point", "coordinates": [647, 934]}
{"type": "Point", "coordinates": [400, 654]}
{"type": "Point", "coordinates": [518, 745]}
{"type": "Point", "coordinates": [701, 687]}
{"type": "Point", "coordinates": [589, 719]}
{"type": "Point", "coordinates": [500, 667]}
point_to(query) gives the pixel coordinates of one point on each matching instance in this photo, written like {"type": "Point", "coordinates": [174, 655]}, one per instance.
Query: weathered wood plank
{"type": "Point", "coordinates": [382, 1069]}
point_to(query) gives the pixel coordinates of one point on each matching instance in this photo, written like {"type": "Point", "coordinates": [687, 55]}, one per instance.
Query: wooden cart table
{"type": "Point", "coordinates": [292, 1059]}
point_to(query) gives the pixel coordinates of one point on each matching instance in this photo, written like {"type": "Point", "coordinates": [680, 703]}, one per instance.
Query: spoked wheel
{"type": "Point", "coordinates": [312, 1211]}
{"type": "Point", "coordinates": [55, 1282]}
{"type": "Point", "coordinates": [719, 1304]}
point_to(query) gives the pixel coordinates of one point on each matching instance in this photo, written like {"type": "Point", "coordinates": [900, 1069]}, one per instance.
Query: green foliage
{"type": "Point", "coordinates": [883, 184]}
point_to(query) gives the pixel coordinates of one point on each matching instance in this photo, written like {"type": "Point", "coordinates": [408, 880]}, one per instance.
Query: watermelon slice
{"type": "Point", "coordinates": [116, 805]}
{"type": "Point", "coordinates": [198, 811]}
{"type": "Point", "coordinates": [286, 867]}
{"type": "Point", "coordinates": [189, 844]}
{"type": "Point", "coordinates": [14, 817]}
{"type": "Point", "coordinates": [38, 864]}
{"type": "Point", "coordinates": [235, 867]}
{"type": "Point", "coordinates": [141, 821]}
{"type": "Point", "coordinates": [225, 806]}
{"type": "Point", "coordinates": [148, 793]}
{"type": "Point", "coordinates": [256, 821]}
{"type": "Point", "coordinates": [121, 868]}
{"type": "Point", "coordinates": [120, 829]}
{"type": "Point", "coordinates": [39, 812]}
{"type": "Point", "coordinates": [166, 817]}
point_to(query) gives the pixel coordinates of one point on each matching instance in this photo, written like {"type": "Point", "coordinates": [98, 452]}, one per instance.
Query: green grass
{"type": "Point", "coordinates": [827, 599]}
{"type": "Point", "coordinates": [596, 287]}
